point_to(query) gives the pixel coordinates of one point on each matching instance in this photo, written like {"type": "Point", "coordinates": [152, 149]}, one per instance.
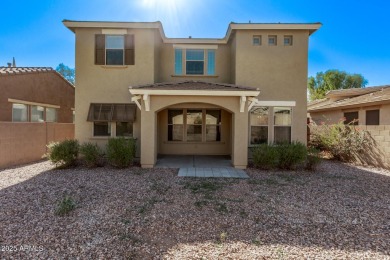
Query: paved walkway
{"type": "Point", "coordinates": [201, 166]}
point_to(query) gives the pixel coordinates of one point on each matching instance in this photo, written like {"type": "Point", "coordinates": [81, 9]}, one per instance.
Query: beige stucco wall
{"type": "Point", "coordinates": [334, 116]}
{"type": "Point", "coordinates": [222, 65]}
{"type": "Point", "coordinates": [109, 84]}
{"type": "Point", "coordinates": [280, 72]}
{"type": "Point", "coordinates": [205, 148]}
{"type": "Point", "coordinates": [159, 103]}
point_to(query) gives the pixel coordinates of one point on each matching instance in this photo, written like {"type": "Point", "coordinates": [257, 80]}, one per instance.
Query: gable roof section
{"type": "Point", "coordinates": [368, 97]}
{"type": "Point", "coordinates": [193, 85]}
{"type": "Point", "coordinates": [310, 27]}
{"type": "Point", "coordinates": [12, 71]}
{"type": "Point", "coordinates": [354, 91]}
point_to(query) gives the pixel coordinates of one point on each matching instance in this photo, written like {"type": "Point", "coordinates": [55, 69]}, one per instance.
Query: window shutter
{"type": "Point", "coordinates": [129, 49]}
{"type": "Point", "coordinates": [100, 46]}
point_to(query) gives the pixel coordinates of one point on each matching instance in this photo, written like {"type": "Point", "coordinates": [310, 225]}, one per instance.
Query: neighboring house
{"type": "Point", "coordinates": [191, 96]}
{"type": "Point", "coordinates": [362, 106]}
{"type": "Point", "coordinates": [35, 94]}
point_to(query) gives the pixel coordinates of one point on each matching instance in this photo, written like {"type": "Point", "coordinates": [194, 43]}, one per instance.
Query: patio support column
{"type": "Point", "coordinates": [240, 140]}
{"type": "Point", "coordinates": [148, 139]}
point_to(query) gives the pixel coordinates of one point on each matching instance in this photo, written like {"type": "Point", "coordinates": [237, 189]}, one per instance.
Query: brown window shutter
{"type": "Point", "coordinates": [100, 46]}
{"type": "Point", "coordinates": [129, 49]}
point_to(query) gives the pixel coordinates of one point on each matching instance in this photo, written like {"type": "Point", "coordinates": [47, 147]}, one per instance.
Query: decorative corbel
{"type": "Point", "coordinates": [242, 103]}
{"type": "Point", "coordinates": [253, 102]}
{"type": "Point", "coordinates": [146, 99]}
{"type": "Point", "coordinates": [135, 99]}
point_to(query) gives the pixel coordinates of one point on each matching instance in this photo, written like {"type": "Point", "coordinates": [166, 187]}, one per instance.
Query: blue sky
{"type": "Point", "coordinates": [354, 37]}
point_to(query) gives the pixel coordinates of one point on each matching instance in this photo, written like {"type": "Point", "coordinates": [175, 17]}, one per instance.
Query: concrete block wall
{"type": "Point", "coordinates": [376, 151]}
{"type": "Point", "coordinates": [26, 142]}
{"type": "Point", "coordinates": [380, 135]}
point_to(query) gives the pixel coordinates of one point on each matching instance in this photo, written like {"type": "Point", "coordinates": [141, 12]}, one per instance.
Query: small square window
{"type": "Point", "coordinates": [272, 40]}
{"type": "Point", "coordinates": [288, 39]}
{"type": "Point", "coordinates": [256, 40]}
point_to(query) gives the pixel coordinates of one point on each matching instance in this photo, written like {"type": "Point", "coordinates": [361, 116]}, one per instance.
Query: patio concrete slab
{"type": "Point", "coordinates": [201, 166]}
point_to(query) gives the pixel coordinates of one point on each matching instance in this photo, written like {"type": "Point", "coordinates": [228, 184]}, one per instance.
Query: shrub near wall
{"type": "Point", "coordinates": [121, 151]}
{"type": "Point", "coordinates": [286, 156]}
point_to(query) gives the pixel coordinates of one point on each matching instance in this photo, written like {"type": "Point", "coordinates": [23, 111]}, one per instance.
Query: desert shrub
{"type": "Point", "coordinates": [291, 155]}
{"type": "Point", "coordinates": [121, 151]}
{"type": "Point", "coordinates": [92, 154]}
{"type": "Point", "coordinates": [66, 205]}
{"type": "Point", "coordinates": [342, 141]}
{"type": "Point", "coordinates": [313, 159]}
{"type": "Point", "coordinates": [63, 154]}
{"type": "Point", "coordinates": [265, 156]}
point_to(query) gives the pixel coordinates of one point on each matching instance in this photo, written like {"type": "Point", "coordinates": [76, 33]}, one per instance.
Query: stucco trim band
{"type": "Point", "coordinates": [11, 100]}
{"type": "Point", "coordinates": [275, 103]}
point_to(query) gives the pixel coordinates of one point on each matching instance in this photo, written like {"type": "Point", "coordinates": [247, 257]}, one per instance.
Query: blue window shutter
{"type": "Point", "coordinates": [178, 61]}
{"type": "Point", "coordinates": [211, 62]}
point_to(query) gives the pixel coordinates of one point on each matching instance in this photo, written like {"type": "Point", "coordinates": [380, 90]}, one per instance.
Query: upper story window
{"type": "Point", "coordinates": [114, 49]}
{"type": "Point", "coordinates": [288, 40]}
{"type": "Point", "coordinates": [256, 40]}
{"type": "Point", "coordinates": [196, 62]}
{"type": "Point", "coordinates": [272, 40]}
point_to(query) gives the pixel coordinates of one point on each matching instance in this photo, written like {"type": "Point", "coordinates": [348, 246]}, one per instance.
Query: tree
{"type": "Point", "coordinates": [66, 72]}
{"type": "Point", "coordinates": [332, 80]}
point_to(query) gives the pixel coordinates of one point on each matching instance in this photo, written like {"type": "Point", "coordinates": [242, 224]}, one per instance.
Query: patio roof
{"type": "Point", "coordinates": [193, 88]}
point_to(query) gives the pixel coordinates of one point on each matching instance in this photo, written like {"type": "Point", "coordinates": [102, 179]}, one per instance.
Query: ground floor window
{"type": "Point", "coordinates": [270, 125]}
{"type": "Point", "coordinates": [372, 117]}
{"type": "Point", "coordinates": [33, 113]}
{"type": "Point", "coordinates": [101, 129]}
{"type": "Point", "coordinates": [124, 129]}
{"type": "Point", "coordinates": [19, 113]}
{"type": "Point", "coordinates": [351, 118]}
{"type": "Point", "coordinates": [282, 124]}
{"type": "Point", "coordinates": [194, 125]}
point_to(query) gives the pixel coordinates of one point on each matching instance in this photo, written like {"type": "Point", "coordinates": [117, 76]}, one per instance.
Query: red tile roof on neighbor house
{"type": "Point", "coordinates": [350, 98]}
{"type": "Point", "coordinates": [12, 71]}
{"type": "Point", "coordinates": [193, 85]}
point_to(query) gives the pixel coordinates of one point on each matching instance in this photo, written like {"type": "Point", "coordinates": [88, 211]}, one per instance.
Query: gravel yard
{"type": "Point", "coordinates": [341, 211]}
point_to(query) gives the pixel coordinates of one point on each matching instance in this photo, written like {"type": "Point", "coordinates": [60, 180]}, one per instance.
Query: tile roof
{"type": "Point", "coordinates": [354, 91]}
{"type": "Point", "coordinates": [193, 85]}
{"type": "Point", "coordinates": [379, 95]}
{"type": "Point", "coordinates": [23, 70]}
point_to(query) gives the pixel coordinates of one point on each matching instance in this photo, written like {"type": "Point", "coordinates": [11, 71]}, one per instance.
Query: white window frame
{"type": "Point", "coordinates": [205, 49]}
{"type": "Point", "coordinates": [271, 119]}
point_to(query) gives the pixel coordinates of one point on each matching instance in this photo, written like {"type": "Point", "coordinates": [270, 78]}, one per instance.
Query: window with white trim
{"type": "Point", "coordinates": [282, 124]}
{"type": "Point", "coordinates": [259, 125]}
{"type": "Point", "coordinates": [194, 125]}
{"type": "Point", "coordinates": [51, 114]}
{"type": "Point", "coordinates": [270, 125]}
{"type": "Point", "coordinates": [19, 112]}
{"type": "Point", "coordinates": [196, 62]}
{"type": "Point", "coordinates": [37, 114]}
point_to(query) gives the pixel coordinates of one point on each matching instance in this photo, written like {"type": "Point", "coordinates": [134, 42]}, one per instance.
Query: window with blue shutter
{"type": "Point", "coordinates": [211, 62]}
{"type": "Point", "coordinates": [178, 61]}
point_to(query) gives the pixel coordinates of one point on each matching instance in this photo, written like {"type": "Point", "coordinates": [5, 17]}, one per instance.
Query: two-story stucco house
{"type": "Point", "coordinates": [191, 96]}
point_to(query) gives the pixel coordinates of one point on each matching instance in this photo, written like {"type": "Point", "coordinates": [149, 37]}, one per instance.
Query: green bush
{"type": "Point", "coordinates": [342, 141]}
{"type": "Point", "coordinates": [265, 156]}
{"type": "Point", "coordinates": [63, 154]}
{"type": "Point", "coordinates": [121, 151]}
{"type": "Point", "coordinates": [291, 155]}
{"type": "Point", "coordinates": [313, 159]}
{"type": "Point", "coordinates": [66, 205]}
{"type": "Point", "coordinates": [92, 154]}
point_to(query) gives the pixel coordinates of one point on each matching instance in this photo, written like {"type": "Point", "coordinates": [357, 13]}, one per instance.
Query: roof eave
{"type": "Point", "coordinates": [163, 92]}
